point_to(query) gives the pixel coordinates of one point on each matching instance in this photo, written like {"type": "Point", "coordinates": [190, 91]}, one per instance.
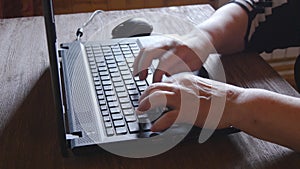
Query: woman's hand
{"type": "Point", "coordinates": [190, 100]}
{"type": "Point", "coordinates": [175, 54]}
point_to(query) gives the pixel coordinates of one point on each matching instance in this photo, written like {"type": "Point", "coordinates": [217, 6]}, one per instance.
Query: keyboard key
{"type": "Point", "coordinates": [97, 83]}
{"type": "Point", "coordinates": [124, 47]}
{"type": "Point", "coordinates": [113, 70]}
{"type": "Point", "coordinates": [98, 54]}
{"type": "Point", "coordinates": [104, 73]}
{"type": "Point", "coordinates": [93, 63]}
{"type": "Point", "coordinates": [110, 62]}
{"type": "Point", "coordinates": [133, 92]}
{"type": "Point", "coordinates": [94, 70]}
{"type": "Point", "coordinates": [124, 100]}
{"type": "Point", "coordinates": [107, 82]}
{"type": "Point", "coordinates": [99, 91]}
{"type": "Point", "coordinates": [142, 88]}
{"type": "Point", "coordinates": [125, 72]}
{"type": "Point", "coordinates": [103, 107]}
{"type": "Point", "coordinates": [111, 98]}
{"type": "Point", "coordinates": [115, 110]}
{"type": "Point", "coordinates": [130, 59]}
{"type": "Point", "coordinates": [130, 118]}
{"type": "Point", "coordinates": [119, 58]}
{"type": "Point", "coordinates": [121, 130]}
{"type": "Point", "coordinates": [127, 77]}
{"type": "Point", "coordinates": [111, 66]}
{"type": "Point", "coordinates": [106, 118]}
{"type": "Point", "coordinates": [108, 124]}
{"type": "Point", "coordinates": [116, 116]}
{"type": "Point", "coordinates": [122, 63]}
{"type": "Point", "coordinates": [131, 87]}
{"type": "Point", "coordinates": [110, 131]}
{"type": "Point", "coordinates": [128, 112]}
{"type": "Point", "coordinates": [102, 102]}
{"type": "Point", "coordinates": [108, 87]}
{"type": "Point", "coordinates": [105, 78]}
{"type": "Point", "coordinates": [116, 79]}
{"type": "Point", "coordinates": [92, 66]}
{"type": "Point", "coordinates": [117, 52]}
{"type": "Point", "coordinates": [129, 81]}
{"type": "Point", "coordinates": [107, 53]}
{"type": "Point", "coordinates": [100, 97]}
{"type": "Point", "coordinates": [95, 74]}
{"type": "Point", "coordinates": [130, 65]}
{"type": "Point", "coordinates": [119, 123]}
{"type": "Point", "coordinates": [99, 59]}
{"type": "Point", "coordinates": [133, 127]}
{"type": "Point", "coordinates": [122, 94]}
{"type": "Point", "coordinates": [105, 48]}
{"type": "Point", "coordinates": [127, 52]}
{"type": "Point", "coordinates": [134, 97]}
{"type": "Point", "coordinates": [109, 93]}
{"type": "Point", "coordinates": [135, 103]}
{"type": "Point", "coordinates": [115, 74]}
{"type": "Point", "coordinates": [96, 78]}
{"type": "Point", "coordinates": [142, 116]}
{"type": "Point", "coordinates": [141, 83]}
{"type": "Point", "coordinates": [129, 55]}
{"type": "Point", "coordinates": [120, 89]}
{"type": "Point", "coordinates": [113, 104]}
{"type": "Point", "coordinates": [123, 68]}
{"type": "Point", "coordinates": [118, 84]}
{"type": "Point", "coordinates": [126, 105]}
{"type": "Point", "coordinates": [105, 112]}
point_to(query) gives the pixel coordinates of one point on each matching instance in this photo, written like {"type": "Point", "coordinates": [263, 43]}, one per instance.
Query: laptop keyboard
{"type": "Point", "coordinates": [117, 89]}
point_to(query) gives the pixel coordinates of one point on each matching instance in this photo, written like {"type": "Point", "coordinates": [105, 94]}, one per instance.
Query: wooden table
{"type": "Point", "coordinates": [28, 130]}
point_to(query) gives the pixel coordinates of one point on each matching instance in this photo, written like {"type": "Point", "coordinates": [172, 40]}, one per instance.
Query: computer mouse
{"type": "Point", "coordinates": [132, 27]}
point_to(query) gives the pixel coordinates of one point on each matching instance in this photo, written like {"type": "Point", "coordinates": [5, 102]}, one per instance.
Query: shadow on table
{"type": "Point", "coordinates": [29, 139]}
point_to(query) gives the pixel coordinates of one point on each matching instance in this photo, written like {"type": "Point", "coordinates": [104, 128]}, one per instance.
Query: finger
{"type": "Point", "coordinates": [178, 68]}
{"type": "Point", "coordinates": [143, 74]}
{"type": "Point", "coordinates": [145, 57]}
{"type": "Point", "coordinates": [165, 121]}
{"type": "Point", "coordinates": [158, 75]}
{"type": "Point", "coordinates": [165, 64]}
{"type": "Point", "coordinates": [157, 86]}
{"type": "Point", "coordinates": [137, 61]}
{"type": "Point", "coordinates": [158, 99]}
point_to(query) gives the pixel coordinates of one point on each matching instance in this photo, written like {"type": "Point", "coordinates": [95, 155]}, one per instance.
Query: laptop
{"type": "Point", "coordinates": [96, 94]}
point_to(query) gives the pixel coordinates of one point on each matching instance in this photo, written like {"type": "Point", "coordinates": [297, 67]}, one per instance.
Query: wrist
{"type": "Point", "coordinates": [235, 105]}
{"type": "Point", "coordinates": [200, 42]}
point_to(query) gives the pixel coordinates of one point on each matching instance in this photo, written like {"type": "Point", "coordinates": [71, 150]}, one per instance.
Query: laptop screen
{"type": "Point", "coordinates": [55, 69]}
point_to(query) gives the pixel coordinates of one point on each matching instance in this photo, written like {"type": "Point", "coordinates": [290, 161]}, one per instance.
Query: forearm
{"type": "Point", "coordinates": [268, 116]}
{"type": "Point", "coordinates": [227, 28]}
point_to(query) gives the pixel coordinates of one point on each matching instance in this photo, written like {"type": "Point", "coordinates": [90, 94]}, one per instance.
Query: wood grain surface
{"type": "Point", "coordinates": [28, 127]}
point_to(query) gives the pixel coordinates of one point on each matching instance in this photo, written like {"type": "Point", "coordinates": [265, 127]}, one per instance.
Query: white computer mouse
{"type": "Point", "coordinates": [132, 28]}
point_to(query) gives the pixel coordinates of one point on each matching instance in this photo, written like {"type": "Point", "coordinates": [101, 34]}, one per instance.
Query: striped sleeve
{"type": "Point", "coordinates": [257, 11]}
{"type": "Point", "coordinates": [262, 8]}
